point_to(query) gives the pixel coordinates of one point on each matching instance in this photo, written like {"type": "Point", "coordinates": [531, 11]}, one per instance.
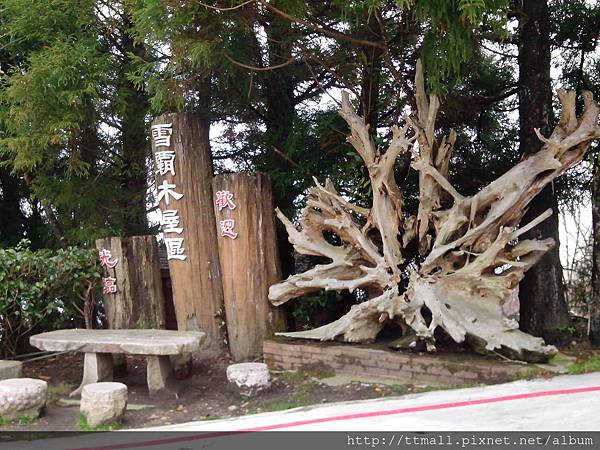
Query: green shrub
{"type": "Point", "coordinates": [308, 308]}
{"type": "Point", "coordinates": [44, 290]}
{"type": "Point", "coordinates": [21, 420]}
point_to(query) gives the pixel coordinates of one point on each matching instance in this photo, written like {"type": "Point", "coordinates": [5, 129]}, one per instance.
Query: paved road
{"type": "Point", "coordinates": [562, 403]}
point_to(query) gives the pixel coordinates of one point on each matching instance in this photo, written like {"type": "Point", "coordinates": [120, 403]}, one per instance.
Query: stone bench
{"type": "Point", "coordinates": [10, 369]}
{"type": "Point", "coordinates": [22, 397]}
{"type": "Point", "coordinates": [100, 345]}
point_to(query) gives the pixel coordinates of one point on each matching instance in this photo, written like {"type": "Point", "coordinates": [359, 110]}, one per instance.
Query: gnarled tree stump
{"type": "Point", "coordinates": [470, 255]}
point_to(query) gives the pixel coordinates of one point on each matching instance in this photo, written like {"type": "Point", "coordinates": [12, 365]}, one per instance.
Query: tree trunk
{"type": "Point", "coordinates": [249, 263]}
{"type": "Point", "coordinates": [135, 145]}
{"type": "Point", "coordinates": [54, 224]}
{"type": "Point", "coordinates": [595, 300]}
{"type": "Point", "coordinates": [138, 301]}
{"type": "Point", "coordinates": [371, 76]}
{"type": "Point", "coordinates": [11, 218]}
{"type": "Point", "coordinates": [193, 261]}
{"type": "Point", "coordinates": [543, 308]}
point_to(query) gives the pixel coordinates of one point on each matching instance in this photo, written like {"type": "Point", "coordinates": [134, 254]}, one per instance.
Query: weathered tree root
{"type": "Point", "coordinates": [473, 256]}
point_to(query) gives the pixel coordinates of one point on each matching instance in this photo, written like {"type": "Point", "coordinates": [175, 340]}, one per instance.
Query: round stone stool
{"type": "Point", "coordinates": [103, 403]}
{"type": "Point", "coordinates": [249, 378]}
{"type": "Point", "coordinates": [22, 397]}
{"type": "Point", "coordinates": [10, 369]}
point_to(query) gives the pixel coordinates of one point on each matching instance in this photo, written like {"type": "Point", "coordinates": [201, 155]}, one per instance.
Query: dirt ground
{"type": "Point", "coordinates": [204, 395]}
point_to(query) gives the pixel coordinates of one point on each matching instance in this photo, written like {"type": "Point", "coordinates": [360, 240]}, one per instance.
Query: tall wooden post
{"type": "Point", "coordinates": [133, 296]}
{"type": "Point", "coordinates": [249, 260]}
{"type": "Point", "coordinates": [183, 168]}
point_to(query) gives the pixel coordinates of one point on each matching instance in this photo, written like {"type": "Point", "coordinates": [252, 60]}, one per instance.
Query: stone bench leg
{"type": "Point", "coordinates": [158, 370]}
{"type": "Point", "coordinates": [96, 367]}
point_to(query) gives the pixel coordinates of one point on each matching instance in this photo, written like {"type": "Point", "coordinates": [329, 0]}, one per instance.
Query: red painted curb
{"type": "Point", "coordinates": [389, 412]}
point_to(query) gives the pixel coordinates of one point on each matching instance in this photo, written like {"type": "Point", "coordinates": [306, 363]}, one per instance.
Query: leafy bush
{"type": "Point", "coordinates": [44, 290]}
{"type": "Point", "coordinates": [317, 309]}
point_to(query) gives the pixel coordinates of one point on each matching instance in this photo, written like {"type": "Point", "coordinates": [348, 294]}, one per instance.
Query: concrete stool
{"type": "Point", "coordinates": [22, 397]}
{"type": "Point", "coordinates": [249, 378]}
{"type": "Point", "coordinates": [10, 369]}
{"type": "Point", "coordinates": [103, 403]}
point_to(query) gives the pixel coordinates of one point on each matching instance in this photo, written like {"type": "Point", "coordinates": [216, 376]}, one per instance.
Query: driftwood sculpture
{"type": "Point", "coordinates": [472, 256]}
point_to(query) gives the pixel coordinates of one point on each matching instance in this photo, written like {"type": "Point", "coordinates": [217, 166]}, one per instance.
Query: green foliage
{"type": "Point", "coordinates": [575, 23]}
{"type": "Point", "coordinates": [183, 41]}
{"type": "Point", "coordinates": [83, 425]}
{"type": "Point", "coordinates": [71, 122]}
{"type": "Point", "coordinates": [25, 419]}
{"type": "Point", "coordinates": [43, 290]}
{"type": "Point", "coordinates": [452, 33]}
{"type": "Point", "coordinates": [309, 306]}
{"type": "Point", "coordinates": [49, 105]}
{"type": "Point", "coordinates": [589, 364]}
{"type": "Point", "coordinates": [21, 420]}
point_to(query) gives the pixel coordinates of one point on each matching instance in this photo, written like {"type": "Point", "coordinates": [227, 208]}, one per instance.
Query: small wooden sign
{"type": "Point", "coordinates": [132, 286]}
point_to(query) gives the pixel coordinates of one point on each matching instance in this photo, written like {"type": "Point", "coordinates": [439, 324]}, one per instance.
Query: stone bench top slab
{"type": "Point", "coordinates": [135, 342]}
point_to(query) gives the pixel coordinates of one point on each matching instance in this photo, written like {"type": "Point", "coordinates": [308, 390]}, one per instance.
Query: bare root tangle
{"type": "Point", "coordinates": [473, 256]}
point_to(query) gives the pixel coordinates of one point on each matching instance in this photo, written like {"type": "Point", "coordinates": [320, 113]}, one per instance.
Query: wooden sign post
{"type": "Point", "coordinates": [249, 260]}
{"type": "Point", "coordinates": [184, 172]}
{"type": "Point", "coordinates": [132, 285]}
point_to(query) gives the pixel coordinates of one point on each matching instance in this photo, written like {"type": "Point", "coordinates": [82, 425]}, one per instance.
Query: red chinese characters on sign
{"type": "Point", "coordinates": [109, 285]}
{"type": "Point", "coordinates": [227, 228]}
{"type": "Point", "coordinates": [225, 200]}
{"type": "Point", "coordinates": [106, 259]}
